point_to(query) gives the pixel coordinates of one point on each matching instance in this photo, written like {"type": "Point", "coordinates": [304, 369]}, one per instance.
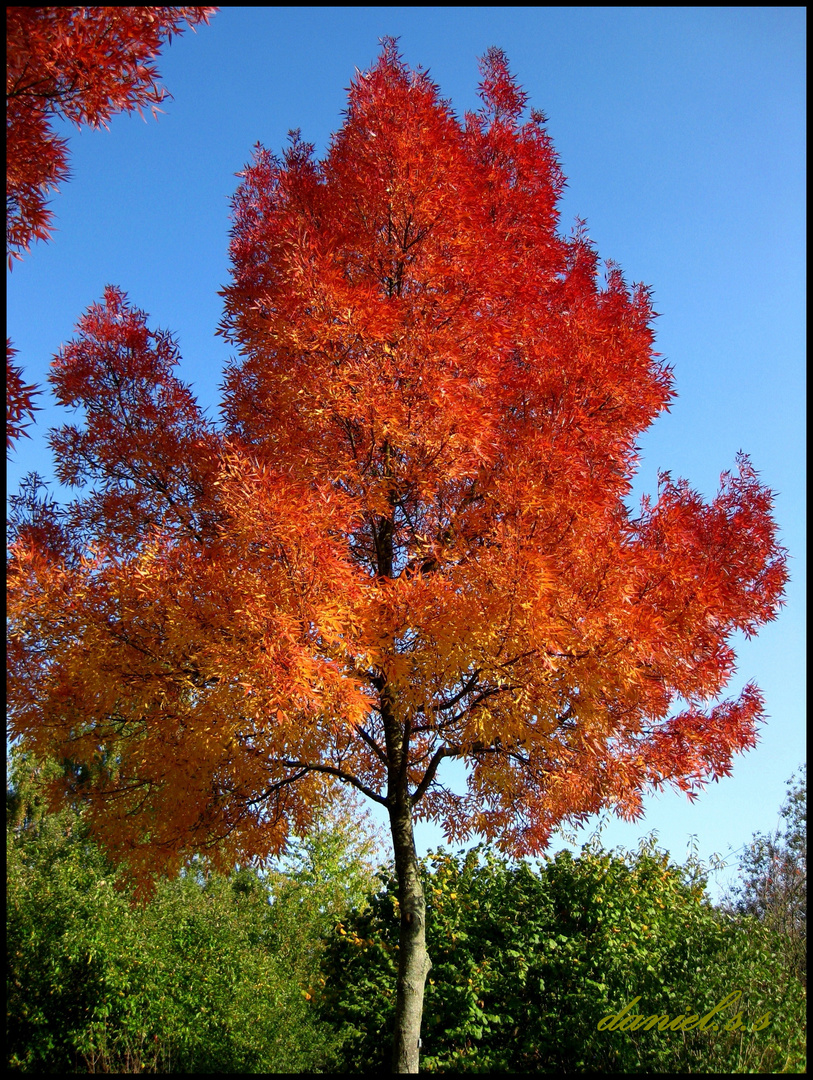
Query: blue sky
{"type": "Point", "coordinates": [681, 134]}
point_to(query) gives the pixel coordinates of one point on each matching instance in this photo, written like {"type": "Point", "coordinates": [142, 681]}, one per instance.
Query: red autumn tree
{"type": "Point", "coordinates": [83, 65]}
{"type": "Point", "coordinates": [406, 543]}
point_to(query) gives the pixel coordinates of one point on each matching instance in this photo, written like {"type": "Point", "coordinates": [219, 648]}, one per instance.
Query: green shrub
{"type": "Point", "coordinates": [209, 976]}
{"type": "Point", "coordinates": [527, 964]}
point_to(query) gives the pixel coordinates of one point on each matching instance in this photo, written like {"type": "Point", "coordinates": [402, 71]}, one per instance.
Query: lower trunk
{"type": "Point", "coordinates": [413, 959]}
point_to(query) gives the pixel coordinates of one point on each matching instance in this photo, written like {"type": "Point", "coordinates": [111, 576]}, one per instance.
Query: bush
{"type": "Point", "coordinates": [209, 976]}
{"type": "Point", "coordinates": [527, 963]}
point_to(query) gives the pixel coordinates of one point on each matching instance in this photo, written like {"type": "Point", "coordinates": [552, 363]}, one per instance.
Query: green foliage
{"type": "Point", "coordinates": [526, 964]}
{"type": "Point", "coordinates": [321, 876]}
{"type": "Point", "coordinates": [209, 976]}
{"type": "Point", "coordinates": [294, 969]}
{"type": "Point", "coordinates": [59, 909]}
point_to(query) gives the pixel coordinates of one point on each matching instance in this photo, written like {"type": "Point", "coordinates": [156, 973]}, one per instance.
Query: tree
{"type": "Point", "coordinates": [82, 65]}
{"type": "Point", "coordinates": [407, 541]}
{"type": "Point", "coordinates": [773, 876]}
{"type": "Point", "coordinates": [331, 869]}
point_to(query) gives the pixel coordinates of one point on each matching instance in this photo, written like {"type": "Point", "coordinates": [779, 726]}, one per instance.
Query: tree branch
{"type": "Point", "coordinates": [379, 753]}
{"type": "Point", "coordinates": [339, 773]}
{"type": "Point", "coordinates": [431, 769]}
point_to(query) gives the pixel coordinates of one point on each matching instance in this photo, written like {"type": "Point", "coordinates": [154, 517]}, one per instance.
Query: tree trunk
{"type": "Point", "coordinates": [413, 959]}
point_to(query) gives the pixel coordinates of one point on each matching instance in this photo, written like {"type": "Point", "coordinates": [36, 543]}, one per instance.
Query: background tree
{"type": "Point", "coordinates": [82, 65]}
{"type": "Point", "coordinates": [327, 872]}
{"type": "Point", "coordinates": [772, 882]}
{"type": "Point", "coordinates": [407, 541]}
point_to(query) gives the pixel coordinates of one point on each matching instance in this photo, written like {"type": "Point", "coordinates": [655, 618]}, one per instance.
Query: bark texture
{"type": "Point", "coordinates": [413, 960]}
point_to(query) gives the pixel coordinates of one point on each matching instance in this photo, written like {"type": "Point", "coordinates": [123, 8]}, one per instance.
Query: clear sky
{"type": "Point", "coordinates": [681, 133]}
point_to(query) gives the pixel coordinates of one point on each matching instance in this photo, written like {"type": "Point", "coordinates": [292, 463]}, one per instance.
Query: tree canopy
{"type": "Point", "coordinates": [408, 538]}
